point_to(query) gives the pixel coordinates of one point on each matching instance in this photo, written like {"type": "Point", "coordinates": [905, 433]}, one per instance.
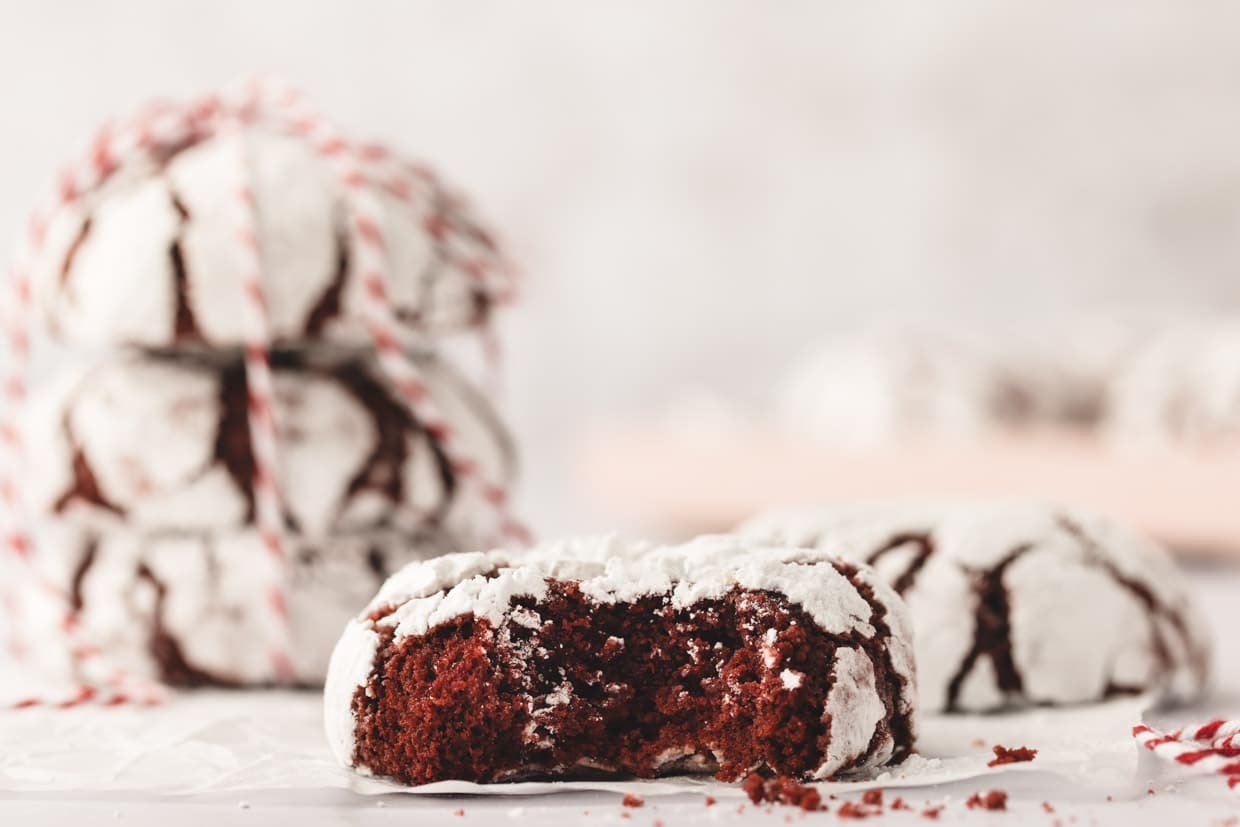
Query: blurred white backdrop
{"type": "Point", "coordinates": [698, 190]}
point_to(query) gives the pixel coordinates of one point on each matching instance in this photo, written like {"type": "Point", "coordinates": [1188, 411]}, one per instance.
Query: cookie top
{"type": "Point", "coordinates": [1181, 388]}
{"type": "Point", "coordinates": [840, 599]}
{"type": "Point", "coordinates": [900, 383]}
{"type": "Point", "coordinates": [1018, 602]}
{"type": "Point", "coordinates": [151, 257]}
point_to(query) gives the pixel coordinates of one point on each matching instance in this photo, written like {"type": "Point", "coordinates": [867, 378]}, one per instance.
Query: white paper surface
{"type": "Point", "coordinates": [215, 741]}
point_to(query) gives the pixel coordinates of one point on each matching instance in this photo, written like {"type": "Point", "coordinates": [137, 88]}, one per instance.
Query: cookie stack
{"type": "Point", "coordinates": [147, 471]}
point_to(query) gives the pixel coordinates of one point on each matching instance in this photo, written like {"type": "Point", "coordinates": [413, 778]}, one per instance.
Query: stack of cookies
{"type": "Point", "coordinates": [146, 475]}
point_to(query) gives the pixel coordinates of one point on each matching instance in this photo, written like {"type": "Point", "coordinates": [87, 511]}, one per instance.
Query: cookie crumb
{"type": "Point", "coordinates": [991, 800]}
{"type": "Point", "coordinates": [899, 804]}
{"type": "Point", "coordinates": [710, 802]}
{"type": "Point", "coordinates": [1016, 755]}
{"type": "Point", "coordinates": [1046, 807]}
{"type": "Point", "coordinates": [781, 790]}
{"type": "Point", "coordinates": [851, 809]}
{"type": "Point", "coordinates": [873, 797]}
{"type": "Point", "coordinates": [631, 800]}
{"type": "Point", "coordinates": [932, 813]}
{"type": "Point", "coordinates": [459, 811]}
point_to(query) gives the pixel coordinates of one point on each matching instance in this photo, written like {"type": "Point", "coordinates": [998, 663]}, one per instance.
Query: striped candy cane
{"type": "Point", "coordinates": [1213, 747]}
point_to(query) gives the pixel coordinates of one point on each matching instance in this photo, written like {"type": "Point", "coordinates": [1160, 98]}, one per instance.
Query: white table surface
{"type": "Point", "coordinates": [1175, 799]}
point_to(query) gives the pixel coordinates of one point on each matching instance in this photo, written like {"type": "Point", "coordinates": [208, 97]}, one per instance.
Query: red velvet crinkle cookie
{"type": "Point", "coordinates": [193, 609]}
{"type": "Point", "coordinates": [161, 442]}
{"type": "Point", "coordinates": [150, 258]}
{"type": "Point", "coordinates": [597, 655]}
{"type": "Point", "coordinates": [1019, 603]}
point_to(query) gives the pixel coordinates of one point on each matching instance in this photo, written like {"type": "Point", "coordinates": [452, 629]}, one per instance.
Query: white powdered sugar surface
{"type": "Point", "coordinates": [110, 269]}
{"type": "Point", "coordinates": [1077, 588]}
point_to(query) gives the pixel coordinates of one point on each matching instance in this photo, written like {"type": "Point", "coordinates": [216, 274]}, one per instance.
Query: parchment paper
{"type": "Point", "coordinates": [215, 741]}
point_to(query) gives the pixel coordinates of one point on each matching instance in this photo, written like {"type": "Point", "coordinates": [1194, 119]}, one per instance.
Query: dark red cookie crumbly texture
{"type": "Point", "coordinates": [873, 798]}
{"type": "Point", "coordinates": [1015, 755]}
{"type": "Point", "coordinates": [631, 800]}
{"type": "Point", "coordinates": [851, 809]}
{"type": "Point", "coordinates": [932, 813]}
{"type": "Point", "coordinates": [613, 687]}
{"type": "Point", "coordinates": [991, 800]}
{"type": "Point", "coordinates": [782, 790]}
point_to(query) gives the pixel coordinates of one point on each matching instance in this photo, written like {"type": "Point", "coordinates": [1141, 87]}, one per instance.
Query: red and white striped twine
{"type": "Point", "coordinates": [164, 126]}
{"type": "Point", "coordinates": [1212, 747]}
{"type": "Point", "coordinates": [366, 231]}
{"type": "Point", "coordinates": [260, 406]}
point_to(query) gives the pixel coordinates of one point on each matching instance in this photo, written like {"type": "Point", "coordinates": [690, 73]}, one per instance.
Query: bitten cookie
{"type": "Point", "coordinates": [162, 442]}
{"type": "Point", "coordinates": [192, 609]}
{"type": "Point", "coordinates": [1019, 603]}
{"type": "Point", "coordinates": [151, 257]}
{"type": "Point", "coordinates": [596, 655]}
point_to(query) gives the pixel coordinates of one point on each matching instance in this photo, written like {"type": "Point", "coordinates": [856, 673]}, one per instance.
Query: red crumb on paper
{"type": "Point", "coordinates": [932, 812]}
{"type": "Point", "coordinates": [781, 790]}
{"type": "Point", "coordinates": [1016, 755]}
{"type": "Point", "coordinates": [898, 804]}
{"type": "Point", "coordinates": [851, 809]}
{"type": "Point", "coordinates": [1047, 807]}
{"type": "Point", "coordinates": [459, 811]}
{"type": "Point", "coordinates": [992, 800]}
{"type": "Point", "coordinates": [872, 797]}
{"type": "Point", "coordinates": [631, 800]}
{"type": "Point", "coordinates": [710, 802]}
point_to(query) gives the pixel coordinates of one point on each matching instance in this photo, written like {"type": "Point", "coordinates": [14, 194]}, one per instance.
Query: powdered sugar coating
{"type": "Point", "coordinates": [191, 608]}
{"type": "Point", "coordinates": [161, 442]}
{"type": "Point", "coordinates": [900, 383]}
{"type": "Point", "coordinates": [611, 570]}
{"type": "Point", "coordinates": [150, 259]}
{"type": "Point", "coordinates": [1019, 602]}
{"type": "Point", "coordinates": [1181, 389]}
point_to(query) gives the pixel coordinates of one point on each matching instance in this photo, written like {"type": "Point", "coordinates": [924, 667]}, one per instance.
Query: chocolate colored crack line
{"type": "Point", "coordinates": [233, 445]}
{"type": "Point", "coordinates": [992, 629]}
{"type": "Point", "coordinates": [1154, 607]}
{"type": "Point", "coordinates": [328, 305]}
{"type": "Point", "coordinates": [84, 485]}
{"type": "Point", "coordinates": [74, 248]}
{"type": "Point", "coordinates": [186, 325]}
{"type": "Point", "coordinates": [878, 649]}
{"type": "Point", "coordinates": [393, 424]}
{"type": "Point", "coordinates": [925, 550]}
{"type": "Point", "coordinates": [78, 582]}
{"type": "Point", "coordinates": [166, 649]}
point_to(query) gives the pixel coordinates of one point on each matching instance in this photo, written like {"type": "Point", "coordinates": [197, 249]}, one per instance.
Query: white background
{"type": "Point", "coordinates": [698, 190]}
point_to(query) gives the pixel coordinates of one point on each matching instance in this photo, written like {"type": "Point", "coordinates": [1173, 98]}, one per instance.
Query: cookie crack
{"type": "Point", "coordinates": [992, 629]}
{"type": "Point", "coordinates": [1154, 607]}
{"type": "Point", "coordinates": [925, 550]}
